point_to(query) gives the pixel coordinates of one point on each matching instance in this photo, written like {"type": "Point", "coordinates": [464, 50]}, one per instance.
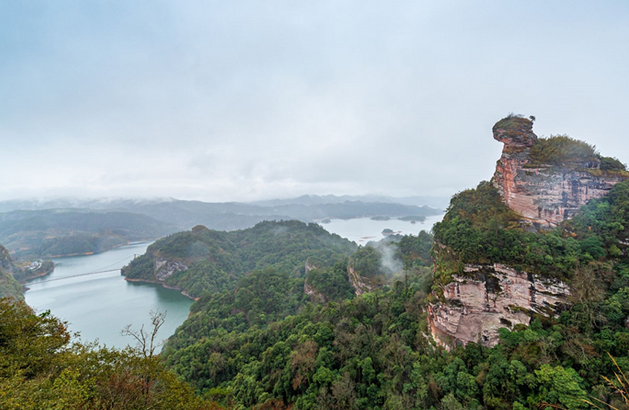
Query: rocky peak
{"type": "Point", "coordinates": [515, 132]}
{"type": "Point", "coordinates": [540, 182]}
{"type": "Point", "coordinates": [544, 181]}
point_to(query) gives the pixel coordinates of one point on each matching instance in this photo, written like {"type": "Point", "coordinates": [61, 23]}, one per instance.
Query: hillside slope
{"type": "Point", "coordinates": [203, 260]}
{"type": "Point", "coordinates": [9, 287]}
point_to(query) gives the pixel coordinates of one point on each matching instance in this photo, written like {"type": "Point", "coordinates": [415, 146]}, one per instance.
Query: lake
{"type": "Point", "coordinates": [363, 230]}
{"type": "Point", "coordinates": [99, 306]}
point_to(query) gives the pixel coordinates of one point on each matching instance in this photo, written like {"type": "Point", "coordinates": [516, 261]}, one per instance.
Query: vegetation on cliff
{"type": "Point", "coordinates": [41, 368]}
{"type": "Point", "coordinates": [479, 229]}
{"type": "Point", "coordinates": [514, 124]}
{"type": "Point", "coordinates": [561, 150]}
{"type": "Point", "coordinates": [566, 152]}
{"type": "Point", "coordinates": [216, 260]}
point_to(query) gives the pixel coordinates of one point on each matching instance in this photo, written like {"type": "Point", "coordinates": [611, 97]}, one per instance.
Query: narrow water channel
{"type": "Point", "coordinates": [99, 306]}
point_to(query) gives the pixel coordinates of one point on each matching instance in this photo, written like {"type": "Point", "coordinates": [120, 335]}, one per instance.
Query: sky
{"type": "Point", "coordinates": [249, 100]}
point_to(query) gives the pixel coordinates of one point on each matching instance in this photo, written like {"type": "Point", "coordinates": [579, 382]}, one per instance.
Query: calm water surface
{"type": "Point", "coordinates": [363, 230]}
{"type": "Point", "coordinates": [100, 306]}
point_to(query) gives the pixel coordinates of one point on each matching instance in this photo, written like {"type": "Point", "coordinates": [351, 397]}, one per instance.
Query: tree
{"type": "Point", "coordinates": [147, 341]}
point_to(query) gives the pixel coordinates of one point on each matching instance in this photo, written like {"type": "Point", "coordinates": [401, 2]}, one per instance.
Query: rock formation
{"type": "Point", "coordinates": [360, 283]}
{"type": "Point", "coordinates": [165, 268]}
{"type": "Point", "coordinates": [489, 297]}
{"type": "Point", "coordinates": [476, 300]}
{"type": "Point", "coordinates": [544, 194]}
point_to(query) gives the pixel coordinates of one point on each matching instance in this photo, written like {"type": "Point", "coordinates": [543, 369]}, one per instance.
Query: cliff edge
{"type": "Point", "coordinates": [547, 181]}
{"type": "Point", "coordinates": [511, 249]}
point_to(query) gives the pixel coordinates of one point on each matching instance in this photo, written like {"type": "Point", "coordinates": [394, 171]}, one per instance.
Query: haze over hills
{"type": "Point", "coordinates": [430, 201]}
{"type": "Point", "coordinates": [53, 232]}
{"type": "Point", "coordinates": [51, 227]}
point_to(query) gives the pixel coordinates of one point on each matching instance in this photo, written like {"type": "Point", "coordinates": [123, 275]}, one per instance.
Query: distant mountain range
{"type": "Point", "coordinates": [44, 228]}
{"type": "Point", "coordinates": [434, 202]}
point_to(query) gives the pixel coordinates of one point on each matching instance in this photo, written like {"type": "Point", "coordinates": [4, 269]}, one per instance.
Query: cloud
{"type": "Point", "coordinates": [250, 100]}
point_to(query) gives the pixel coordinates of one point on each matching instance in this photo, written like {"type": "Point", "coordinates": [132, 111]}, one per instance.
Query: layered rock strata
{"type": "Point", "coordinates": [545, 195]}
{"type": "Point", "coordinates": [489, 297]}
{"type": "Point", "coordinates": [480, 299]}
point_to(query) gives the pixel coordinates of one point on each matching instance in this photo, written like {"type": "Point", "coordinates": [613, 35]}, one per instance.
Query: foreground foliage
{"type": "Point", "coordinates": [40, 368]}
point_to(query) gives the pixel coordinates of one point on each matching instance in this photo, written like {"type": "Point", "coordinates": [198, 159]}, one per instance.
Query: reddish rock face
{"type": "Point", "coordinates": [485, 298]}
{"type": "Point", "coordinates": [544, 195]}
{"type": "Point", "coordinates": [489, 297]}
{"type": "Point", "coordinates": [515, 132]}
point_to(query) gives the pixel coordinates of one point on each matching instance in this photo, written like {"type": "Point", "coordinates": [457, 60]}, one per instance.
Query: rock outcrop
{"type": "Point", "coordinates": [165, 268]}
{"type": "Point", "coordinates": [544, 194]}
{"type": "Point", "coordinates": [489, 297]}
{"type": "Point", "coordinates": [360, 283]}
{"type": "Point", "coordinates": [543, 188]}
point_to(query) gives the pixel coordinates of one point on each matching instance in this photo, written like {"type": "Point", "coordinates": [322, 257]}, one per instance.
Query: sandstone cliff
{"type": "Point", "coordinates": [489, 297]}
{"type": "Point", "coordinates": [545, 194]}
{"type": "Point", "coordinates": [542, 182]}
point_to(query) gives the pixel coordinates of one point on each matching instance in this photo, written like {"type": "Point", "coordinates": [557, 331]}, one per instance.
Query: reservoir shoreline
{"type": "Point", "coordinates": [162, 284]}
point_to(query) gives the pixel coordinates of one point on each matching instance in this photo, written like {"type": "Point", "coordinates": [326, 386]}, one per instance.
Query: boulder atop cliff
{"type": "Point", "coordinates": [515, 131]}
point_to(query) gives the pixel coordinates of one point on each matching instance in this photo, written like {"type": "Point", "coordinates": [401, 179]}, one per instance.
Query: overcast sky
{"type": "Point", "coordinates": [244, 100]}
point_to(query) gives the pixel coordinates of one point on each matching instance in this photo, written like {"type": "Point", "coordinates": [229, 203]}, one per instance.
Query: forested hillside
{"type": "Point", "coordinates": [268, 316]}
{"type": "Point", "coordinates": [206, 261]}
{"type": "Point", "coordinates": [9, 287]}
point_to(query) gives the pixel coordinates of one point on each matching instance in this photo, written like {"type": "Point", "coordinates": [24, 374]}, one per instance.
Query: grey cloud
{"type": "Point", "coordinates": [250, 100]}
